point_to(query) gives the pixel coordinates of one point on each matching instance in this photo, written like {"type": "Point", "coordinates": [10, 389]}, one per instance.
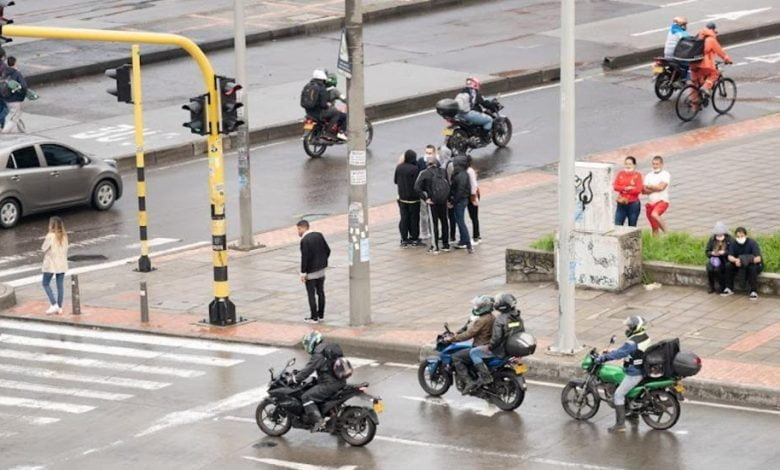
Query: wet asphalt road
{"type": "Point", "coordinates": [191, 406]}
{"type": "Point", "coordinates": [613, 109]}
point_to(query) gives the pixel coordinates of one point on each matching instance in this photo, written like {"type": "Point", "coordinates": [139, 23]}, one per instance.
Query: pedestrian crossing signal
{"type": "Point", "coordinates": [198, 123]}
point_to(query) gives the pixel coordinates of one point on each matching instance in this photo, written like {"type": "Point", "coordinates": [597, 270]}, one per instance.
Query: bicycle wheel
{"type": "Point", "coordinates": [688, 103]}
{"type": "Point", "coordinates": [724, 95]}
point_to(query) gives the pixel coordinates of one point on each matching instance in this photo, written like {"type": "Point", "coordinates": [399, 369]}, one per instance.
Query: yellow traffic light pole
{"type": "Point", "coordinates": [221, 309]}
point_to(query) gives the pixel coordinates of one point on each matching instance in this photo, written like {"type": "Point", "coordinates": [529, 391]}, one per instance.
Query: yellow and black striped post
{"type": "Point", "coordinates": [144, 263]}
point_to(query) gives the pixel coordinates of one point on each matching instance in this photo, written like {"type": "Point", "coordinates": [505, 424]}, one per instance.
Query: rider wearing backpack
{"type": "Point", "coordinates": [314, 99]}
{"type": "Point", "coordinates": [324, 356]}
{"type": "Point", "coordinates": [434, 187]}
{"type": "Point", "coordinates": [507, 324]}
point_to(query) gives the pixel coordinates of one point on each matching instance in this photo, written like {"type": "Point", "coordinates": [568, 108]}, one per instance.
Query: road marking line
{"type": "Point", "coordinates": [76, 392]}
{"type": "Point", "coordinates": [44, 405]}
{"type": "Point", "coordinates": [4, 434]}
{"type": "Point", "coordinates": [297, 466]}
{"type": "Point", "coordinates": [34, 420]}
{"type": "Point", "coordinates": [209, 410]}
{"type": "Point", "coordinates": [239, 419]}
{"type": "Point", "coordinates": [154, 242]}
{"type": "Point", "coordinates": [116, 381]}
{"type": "Point", "coordinates": [405, 366]}
{"type": "Point", "coordinates": [674, 4]}
{"type": "Point", "coordinates": [28, 467]}
{"type": "Point", "coordinates": [117, 351]}
{"type": "Point", "coordinates": [20, 269]}
{"type": "Point", "coordinates": [98, 364]}
{"type": "Point", "coordinates": [733, 407]}
{"type": "Point", "coordinates": [360, 362]}
{"type": "Point", "coordinates": [98, 449]}
{"type": "Point", "coordinates": [545, 384]}
{"type": "Point", "coordinates": [153, 340]}
{"type": "Point", "coordinates": [484, 409]}
{"type": "Point", "coordinates": [478, 451]}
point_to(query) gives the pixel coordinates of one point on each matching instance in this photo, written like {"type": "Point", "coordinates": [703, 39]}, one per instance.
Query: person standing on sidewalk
{"type": "Point", "coordinates": [460, 191]}
{"type": "Point", "coordinates": [473, 206]}
{"type": "Point", "coordinates": [425, 219]}
{"type": "Point", "coordinates": [628, 184]}
{"type": "Point", "coordinates": [744, 257]}
{"type": "Point", "coordinates": [13, 120]}
{"type": "Point", "coordinates": [408, 200]}
{"type": "Point", "coordinates": [434, 188]}
{"type": "Point", "coordinates": [314, 260]}
{"type": "Point", "coordinates": [717, 257]}
{"type": "Point", "coordinates": [55, 263]}
{"type": "Point", "coordinates": [656, 186]}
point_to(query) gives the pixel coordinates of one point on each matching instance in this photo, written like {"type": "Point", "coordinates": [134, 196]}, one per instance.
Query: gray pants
{"type": "Point", "coordinates": [425, 221]}
{"type": "Point", "coordinates": [629, 382]}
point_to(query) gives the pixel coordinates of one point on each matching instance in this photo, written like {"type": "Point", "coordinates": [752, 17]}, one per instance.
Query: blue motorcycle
{"type": "Point", "coordinates": [436, 374]}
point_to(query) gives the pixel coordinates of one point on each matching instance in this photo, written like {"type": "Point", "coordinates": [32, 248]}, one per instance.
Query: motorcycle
{"type": "Point", "coordinates": [316, 140]}
{"type": "Point", "coordinates": [656, 400]}
{"type": "Point", "coordinates": [351, 413]}
{"type": "Point", "coordinates": [668, 76]}
{"type": "Point", "coordinates": [461, 136]}
{"type": "Point", "coordinates": [436, 374]}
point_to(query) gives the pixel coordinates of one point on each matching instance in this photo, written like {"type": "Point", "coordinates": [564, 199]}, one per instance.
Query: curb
{"type": "Point", "coordinates": [7, 296]}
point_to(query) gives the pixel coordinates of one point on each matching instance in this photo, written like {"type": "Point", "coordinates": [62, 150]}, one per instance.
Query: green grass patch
{"type": "Point", "coordinates": [684, 248]}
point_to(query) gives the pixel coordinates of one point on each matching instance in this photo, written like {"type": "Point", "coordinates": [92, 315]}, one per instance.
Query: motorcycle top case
{"type": "Point", "coordinates": [659, 357]}
{"type": "Point", "coordinates": [447, 108]}
{"type": "Point", "coordinates": [689, 50]}
{"type": "Point", "coordinates": [686, 364]}
{"type": "Point", "coordinates": [520, 344]}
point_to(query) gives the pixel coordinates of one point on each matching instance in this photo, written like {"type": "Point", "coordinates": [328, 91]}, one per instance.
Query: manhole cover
{"type": "Point", "coordinates": [87, 258]}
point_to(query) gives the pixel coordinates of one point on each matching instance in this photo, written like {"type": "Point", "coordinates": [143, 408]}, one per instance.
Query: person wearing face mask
{"type": "Point", "coordinates": [628, 184]}
{"type": "Point", "coordinates": [717, 257]}
{"type": "Point", "coordinates": [744, 257]}
{"type": "Point", "coordinates": [656, 186]}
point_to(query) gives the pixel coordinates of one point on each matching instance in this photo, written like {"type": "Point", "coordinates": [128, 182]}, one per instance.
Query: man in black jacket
{"type": "Point", "coordinates": [744, 256]}
{"type": "Point", "coordinates": [408, 200]}
{"type": "Point", "coordinates": [322, 357]}
{"type": "Point", "coordinates": [460, 191]}
{"type": "Point", "coordinates": [314, 259]}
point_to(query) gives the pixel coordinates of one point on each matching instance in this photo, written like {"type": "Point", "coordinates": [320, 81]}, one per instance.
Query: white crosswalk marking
{"type": "Point", "coordinates": [76, 392]}
{"type": "Point", "coordinates": [115, 381]}
{"type": "Point", "coordinates": [97, 363]}
{"type": "Point", "coordinates": [44, 405]}
{"type": "Point", "coordinates": [34, 420]}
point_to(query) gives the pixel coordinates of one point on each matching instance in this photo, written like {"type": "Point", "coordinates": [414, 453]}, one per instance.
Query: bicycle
{"type": "Point", "coordinates": [691, 100]}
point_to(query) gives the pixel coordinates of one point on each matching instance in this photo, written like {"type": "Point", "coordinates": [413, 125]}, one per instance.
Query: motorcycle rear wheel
{"type": "Point", "coordinates": [311, 148]}
{"type": "Point", "coordinates": [502, 132]}
{"type": "Point", "coordinates": [662, 410]}
{"type": "Point", "coordinates": [273, 426]}
{"type": "Point", "coordinates": [509, 393]}
{"type": "Point", "coordinates": [433, 388]}
{"type": "Point", "coordinates": [458, 142]}
{"type": "Point", "coordinates": [579, 402]}
{"type": "Point", "coordinates": [357, 428]}
{"type": "Point", "coordinates": [663, 86]}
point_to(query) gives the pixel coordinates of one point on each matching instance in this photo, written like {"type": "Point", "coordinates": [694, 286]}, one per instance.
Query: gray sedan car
{"type": "Point", "coordinates": [39, 175]}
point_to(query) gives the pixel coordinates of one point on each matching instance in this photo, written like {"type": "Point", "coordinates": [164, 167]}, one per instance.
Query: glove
{"type": "Point", "coordinates": [728, 60]}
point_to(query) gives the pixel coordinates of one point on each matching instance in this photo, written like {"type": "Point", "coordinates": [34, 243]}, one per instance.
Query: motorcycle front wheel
{"type": "Point", "coordinates": [578, 401]}
{"type": "Point", "coordinates": [313, 149]}
{"type": "Point", "coordinates": [502, 132]}
{"type": "Point", "coordinates": [663, 86]}
{"type": "Point", "coordinates": [509, 395]}
{"type": "Point", "coordinates": [436, 385]}
{"type": "Point", "coordinates": [272, 420]}
{"type": "Point", "coordinates": [662, 410]}
{"type": "Point", "coordinates": [357, 428]}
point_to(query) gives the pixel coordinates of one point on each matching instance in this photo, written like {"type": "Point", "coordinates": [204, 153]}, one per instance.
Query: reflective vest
{"type": "Point", "coordinates": [637, 358]}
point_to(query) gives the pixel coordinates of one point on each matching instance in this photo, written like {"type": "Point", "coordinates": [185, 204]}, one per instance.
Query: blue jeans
{"type": "Point", "coordinates": [629, 382]}
{"type": "Point", "coordinates": [460, 219]}
{"type": "Point", "coordinates": [479, 119]}
{"type": "Point", "coordinates": [478, 355]}
{"type": "Point", "coordinates": [628, 211]}
{"type": "Point", "coordinates": [3, 112]}
{"type": "Point", "coordinates": [60, 287]}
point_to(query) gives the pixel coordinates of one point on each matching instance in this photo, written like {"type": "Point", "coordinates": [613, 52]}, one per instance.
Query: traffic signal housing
{"type": "Point", "coordinates": [122, 90]}
{"type": "Point", "coordinates": [198, 123]}
{"type": "Point", "coordinates": [228, 89]}
{"type": "Point", "coordinates": [4, 21]}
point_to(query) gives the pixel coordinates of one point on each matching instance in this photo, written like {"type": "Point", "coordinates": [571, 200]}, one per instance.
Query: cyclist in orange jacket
{"type": "Point", "coordinates": [704, 73]}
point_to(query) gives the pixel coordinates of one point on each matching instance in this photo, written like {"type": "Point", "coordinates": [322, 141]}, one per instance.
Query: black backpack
{"type": "Point", "coordinates": [659, 357]}
{"type": "Point", "coordinates": [340, 366]}
{"type": "Point", "coordinates": [310, 96]}
{"type": "Point", "coordinates": [689, 49]}
{"type": "Point", "coordinates": [440, 187]}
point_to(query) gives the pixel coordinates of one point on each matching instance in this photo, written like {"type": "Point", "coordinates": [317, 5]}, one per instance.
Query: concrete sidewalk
{"type": "Point", "coordinates": [413, 294]}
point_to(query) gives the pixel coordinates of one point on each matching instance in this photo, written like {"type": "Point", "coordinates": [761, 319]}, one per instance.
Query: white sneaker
{"type": "Point", "coordinates": [59, 310]}
{"type": "Point", "coordinates": [341, 136]}
{"type": "Point", "coordinates": [52, 309]}
{"type": "Point", "coordinates": [726, 292]}
{"type": "Point", "coordinates": [753, 295]}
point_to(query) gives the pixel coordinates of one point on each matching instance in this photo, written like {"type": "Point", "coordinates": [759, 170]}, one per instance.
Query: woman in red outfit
{"type": "Point", "coordinates": [628, 184]}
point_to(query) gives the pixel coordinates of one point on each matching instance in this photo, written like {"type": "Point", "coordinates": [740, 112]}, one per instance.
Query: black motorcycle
{"type": "Point", "coordinates": [316, 140]}
{"type": "Point", "coordinates": [461, 136]}
{"type": "Point", "coordinates": [351, 413]}
{"type": "Point", "coordinates": [668, 76]}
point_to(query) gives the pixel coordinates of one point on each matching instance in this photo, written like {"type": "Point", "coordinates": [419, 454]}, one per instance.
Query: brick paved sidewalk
{"type": "Point", "coordinates": [413, 294]}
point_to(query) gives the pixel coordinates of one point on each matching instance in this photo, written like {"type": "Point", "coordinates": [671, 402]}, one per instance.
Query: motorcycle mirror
{"type": "Point", "coordinates": [290, 362]}
{"type": "Point", "coordinates": [612, 340]}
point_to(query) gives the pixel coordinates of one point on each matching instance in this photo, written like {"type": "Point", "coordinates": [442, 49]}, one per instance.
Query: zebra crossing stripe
{"type": "Point", "coordinates": [76, 392]}
{"type": "Point", "coordinates": [154, 340]}
{"type": "Point", "coordinates": [97, 363]}
{"type": "Point", "coordinates": [34, 420]}
{"type": "Point", "coordinates": [115, 381]}
{"type": "Point", "coordinates": [117, 351]}
{"type": "Point", "coordinates": [44, 405]}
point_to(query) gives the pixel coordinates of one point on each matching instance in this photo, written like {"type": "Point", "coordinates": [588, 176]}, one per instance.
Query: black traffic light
{"type": "Point", "coordinates": [198, 122]}
{"type": "Point", "coordinates": [3, 20]}
{"type": "Point", "coordinates": [228, 88]}
{"type": "Point", "coordinates": [122, 90]}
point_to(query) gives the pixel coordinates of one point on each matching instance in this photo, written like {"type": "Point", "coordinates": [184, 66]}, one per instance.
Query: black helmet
{"type": "Point", "coordinates": [505, 302]}
{"type": "Point", "coordinates": [634, 325]}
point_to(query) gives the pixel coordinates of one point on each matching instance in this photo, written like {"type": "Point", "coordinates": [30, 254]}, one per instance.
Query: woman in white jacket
{"type": "Point", "coordinates": [55, 262]}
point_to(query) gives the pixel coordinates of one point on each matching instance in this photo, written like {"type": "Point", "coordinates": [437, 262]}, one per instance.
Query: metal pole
{"type": "Point", "coordinates": [144, 264]}
{"type": "Point", "coordinates": [567, 339]}
{"type": "Point", "coordinates": [244, 171]}
{"type": "Point", "coordinates": [358, 239]}
{"type": "Point", "coordinates": [75, 294]}
{"type": "Point", "coordinates": [144, 303]}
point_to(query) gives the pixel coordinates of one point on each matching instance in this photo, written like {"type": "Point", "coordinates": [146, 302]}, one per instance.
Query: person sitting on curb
{"type": "Point", "coordinates": [744, 257]}
{"type": "Point", "coordinates": [717, 257]}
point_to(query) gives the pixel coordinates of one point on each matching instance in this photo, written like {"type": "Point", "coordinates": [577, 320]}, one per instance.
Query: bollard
{"type": "Point", "coordinates": [144, 303]}
{"type": "Point", "coordinates": [75, 296]}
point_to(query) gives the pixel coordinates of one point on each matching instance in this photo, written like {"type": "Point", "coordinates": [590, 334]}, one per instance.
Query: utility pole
{"type": "Point", "coordinates": [246, 241]}
{"type": "Point", "coordinates": [358, 239]}
{"type": "Point", "coordinates": [567, 338]}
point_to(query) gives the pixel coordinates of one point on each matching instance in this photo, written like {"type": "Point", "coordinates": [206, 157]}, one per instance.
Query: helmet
{"type": "Point", "coordinates": [482, 304]}
{"type": "Point", "coordinates": [680, 20]}
{"type": "Point", "coordinates": [473, 82]}
{"type": "Point", "coordinates": [634, 325]}
{"type": "Point", "coordinates": [333, 79]}
{"type": "Point", "coordinates": [319, 74]}
{"type": "Point", "coordinates": [311, 340]}
{"type": "Point", "coordinates": [505, 302]}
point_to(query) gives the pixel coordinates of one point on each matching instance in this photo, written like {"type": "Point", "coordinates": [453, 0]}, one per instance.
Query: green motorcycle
{"type": "Point", "coordinates": [656, 400]}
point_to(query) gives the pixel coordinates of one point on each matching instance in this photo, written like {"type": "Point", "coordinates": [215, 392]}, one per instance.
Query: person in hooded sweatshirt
{"type": "Point", "coordinates": [408, 200]}
{"type": "Point", "coordinates": [704, 72]}
{"type": "Point", "coordinates": [460, 191]}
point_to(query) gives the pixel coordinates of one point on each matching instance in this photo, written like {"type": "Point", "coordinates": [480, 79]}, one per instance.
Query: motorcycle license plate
{"type": "Point", "coordinates": [679, 388]}
{"type": "Point", "coordinates": [521, 369]}
{"type": "Point", "coordinates": [308, 126]}
{"type": "Point", "coordinates": [447, 131]}
{"type": "Point", "coordinates": [657, 70]}
{"type": "Point", "coordinates": [379, 407]}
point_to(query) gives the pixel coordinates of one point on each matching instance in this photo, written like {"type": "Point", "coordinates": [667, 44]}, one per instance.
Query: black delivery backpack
{"type": "Point", "coordinates": [689, 50]}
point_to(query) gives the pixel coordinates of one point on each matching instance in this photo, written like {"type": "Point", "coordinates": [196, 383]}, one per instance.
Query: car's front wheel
{"type": "Point", "coordinates": [10, 212]}
{"type": "Point", "coordinates": [104, 195]}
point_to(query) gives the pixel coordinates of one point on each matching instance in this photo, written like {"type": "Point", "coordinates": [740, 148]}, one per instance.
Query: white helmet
{"type": "Point", "coordinates": [319, 74]}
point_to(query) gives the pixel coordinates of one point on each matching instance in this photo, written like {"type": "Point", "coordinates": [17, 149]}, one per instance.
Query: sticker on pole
{"type": "Point", "coordinates": [357, 177]}
{"type": "Point", "coordinates": [364, 250]}
{"type": "Point", "coordinates": [357, 157]}
{"type": "Point", "coordinates": [344, 64]}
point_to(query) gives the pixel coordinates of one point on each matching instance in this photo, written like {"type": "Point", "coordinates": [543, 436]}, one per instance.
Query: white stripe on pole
{"type": "Point", "coordinates": [115, 381]}
{"type": "Point", "coordinates": [117, 351]}
{"type": "Point", "coordinates": [153, 340]}
{"type": "Point", "coordinates": [97, 363]}
{"type": "Point", "coordinates": [44, 405]}
{"type": "Point", "coordinates": [75, 392]}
